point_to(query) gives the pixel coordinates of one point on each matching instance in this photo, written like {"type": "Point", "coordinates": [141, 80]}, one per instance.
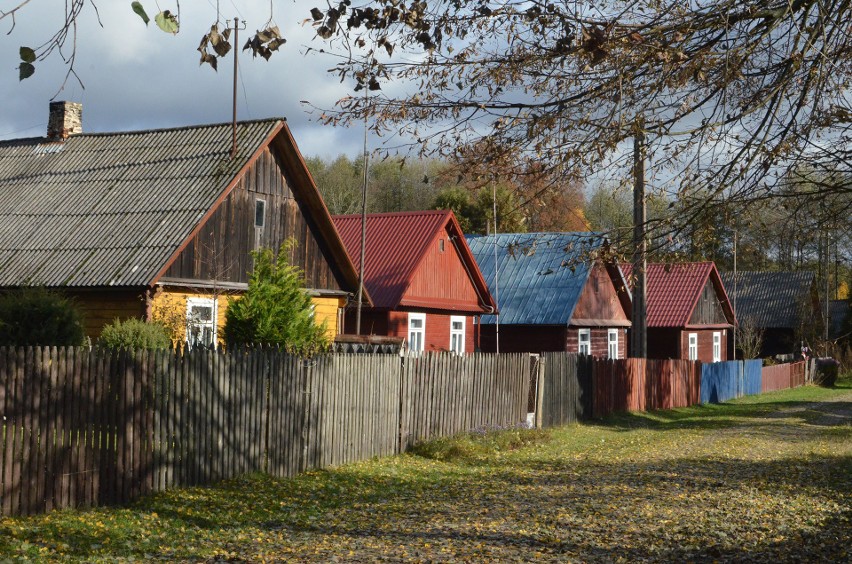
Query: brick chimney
{"type": "Point", "coordinates": [66, 118]}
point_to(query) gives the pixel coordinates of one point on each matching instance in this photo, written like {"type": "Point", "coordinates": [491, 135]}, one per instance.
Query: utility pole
{"type": "Point", "coordinates": [363, 221]}
{"type": "Point", "coordinates": [639, 329]}
{"type": "Point", "coordinates": [234, 98]}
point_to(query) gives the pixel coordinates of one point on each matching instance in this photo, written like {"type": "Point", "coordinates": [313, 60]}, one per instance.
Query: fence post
{"type": "Point", "coordinates": [404, 399]}
{"type": "Point", "coordinates": [539, 393]}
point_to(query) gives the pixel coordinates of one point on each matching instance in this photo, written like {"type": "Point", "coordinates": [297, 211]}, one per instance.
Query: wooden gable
{"type": "Point", "coordinates": [599, 303]}
{"type": "Point", "coordinates": [441, 280]}
{"type": "Point", "coordinates": [708, 310]}
{"type": "Point", "coordinates": [220, 250]}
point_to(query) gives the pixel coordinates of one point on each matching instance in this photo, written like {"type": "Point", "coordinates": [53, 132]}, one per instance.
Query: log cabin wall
{"type": "Point", "coordinates": [101, 307]}
{"type": "Point", "coordinates": [221, 249]}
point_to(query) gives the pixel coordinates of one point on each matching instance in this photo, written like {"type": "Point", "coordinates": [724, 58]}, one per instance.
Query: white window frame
{"type": "Point", "coordinates": [584, 346]}
{"type": "Point", "coordinates": [416, 337]}
{"type": "Point", "coordinates": [612, 344]}
{"type": "Point", "coordinates": [717, 346]}
{"type": "Point", "coordinates": [457, 335]}
{"type": "Point", "coordinates": [692, 346]}
{"type": "Point", "coordinates": [192, 335]}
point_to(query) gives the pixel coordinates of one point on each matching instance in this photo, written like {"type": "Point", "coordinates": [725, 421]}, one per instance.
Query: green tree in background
{"type": "Point", "coordinates": [275, 310]}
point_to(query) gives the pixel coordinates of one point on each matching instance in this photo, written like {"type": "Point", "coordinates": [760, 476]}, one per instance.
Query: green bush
{"type": "Point", "coordinates": [134, 334]}
{"type": "Point", "coordinates": [36, 316]}
{"type": "Point", "coordinates": [275, 310]}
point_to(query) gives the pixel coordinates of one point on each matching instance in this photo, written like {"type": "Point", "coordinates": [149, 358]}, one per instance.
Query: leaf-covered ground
{"type": "Point", "coordinates": [766, 479]}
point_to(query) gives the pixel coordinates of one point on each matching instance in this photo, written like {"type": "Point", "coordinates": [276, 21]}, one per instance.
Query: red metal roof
{"type": "Point", "coordinates": [673, 290]}
{"type": "Point", "coordinates": [395, 247]}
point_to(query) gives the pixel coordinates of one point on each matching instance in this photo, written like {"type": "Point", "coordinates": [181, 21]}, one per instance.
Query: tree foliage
{"type": "Point", "coordinates": [731, 94]}
{"type": "Point", "coordinates": [276, 309]}
{"type": "Point", "coordinates": [36, 316]}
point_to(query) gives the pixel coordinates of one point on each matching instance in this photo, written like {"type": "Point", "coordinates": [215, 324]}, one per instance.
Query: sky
{"type": "Point", "coordinates": [137, 77]}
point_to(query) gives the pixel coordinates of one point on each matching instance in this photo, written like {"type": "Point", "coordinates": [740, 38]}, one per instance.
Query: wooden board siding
{"type": "Point", "coordinates": [326, 310]}
{"type": "Point", "coordinates": [441, 281]}
{"type": "Point", "coordinates": [169, 306]}
{"type": "Point", "coordinates": [599, 304]}
{"type": "Point", "coordinates": [102, 307]}
{"type": "Point", "coordinates": [600, 341]}
{"type": "Point", "coordinates": [705, 343]}
{"type": "Point", "coordinates": [221, 250]}
{"type": "Point", "coordinates": [708, 310]}
{"type": "Point", "coordinates": [395, 324]}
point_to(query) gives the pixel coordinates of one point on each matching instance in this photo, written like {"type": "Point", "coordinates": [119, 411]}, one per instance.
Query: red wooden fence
{"type": "Point", "coordinates": [783, 376]}
{"type": "Point", "coordinates": [639, 384]}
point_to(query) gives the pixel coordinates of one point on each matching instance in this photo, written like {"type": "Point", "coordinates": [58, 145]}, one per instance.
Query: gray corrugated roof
{"type": "Point", "coordinates": [541, 275]}
{"type": "Point", "coordinates": [772, 299]}
{"type": "Point", "coordinates": [111, 209]}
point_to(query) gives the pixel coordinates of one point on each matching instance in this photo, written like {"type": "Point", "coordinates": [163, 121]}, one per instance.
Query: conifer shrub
{"type": "Point", "coordinates": [275, 310]}
{"type": "Point", "coordinates": [39, 317]}
{"type": "Point", "coordinates": [134, 334]}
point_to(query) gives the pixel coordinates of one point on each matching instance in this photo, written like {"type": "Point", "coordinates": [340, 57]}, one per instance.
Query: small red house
{"type": "Point", "coordinates": [689, 314]}
{"type": "Point", "coordinates": [422, 279]}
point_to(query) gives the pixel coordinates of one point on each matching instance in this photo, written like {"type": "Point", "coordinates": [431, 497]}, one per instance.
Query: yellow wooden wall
{"type": "Point", "coordinates": [169, 307]}
{"type": "Point", "coordinates": [102, 307]}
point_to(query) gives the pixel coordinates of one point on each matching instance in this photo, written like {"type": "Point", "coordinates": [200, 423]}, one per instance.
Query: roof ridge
{"type": "Point", "coordinates": [164, 129]}
{"type": "Point", "coordinates": [395, 214]}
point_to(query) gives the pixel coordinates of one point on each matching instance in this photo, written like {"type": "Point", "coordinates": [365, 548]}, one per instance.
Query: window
{"type": "Point", "coordinates": [416, 331]}
{"type": "Point", "coordinates": [585, 341]}
{"type": "Point", "coordinates": [259, 212]}
{"type": "Point", "coordinates": [441, 245]}
{"type": "Point", "coordinates": [692, 353]}
{"type": "Point", "coordinates": [612, 341]}
{"type": "Point", "coordinates": [457, 334]}
{"type": "Point", "coordinates": [201, 322]}
{"type": "Point", "coordinates": [717, 347]}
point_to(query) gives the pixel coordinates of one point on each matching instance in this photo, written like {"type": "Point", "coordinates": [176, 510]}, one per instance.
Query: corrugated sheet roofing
{"type": "Point", "coordinates": [396, 243]}
{"type": "Point", "coordinates": [672, 290]}
{"type": "Point", "coordinates": [111, 209]}
{"type": "Point", "coordinates": [772, 299]}
{"type": "Point", "coordinates": [540, 275]}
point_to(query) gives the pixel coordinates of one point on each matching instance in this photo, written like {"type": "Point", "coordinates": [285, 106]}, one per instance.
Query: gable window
{"type": "Point", "coordinates": [201, 322]}
{"type": "Point", "coordinates": [416, 331]}
{"type": "Point", "coordinates": [692, 351]}
{"type": "Point", "coordinates": [584, 338]}
{"type": "Point", "coordinates": [259, 212]}
{"type": "Point", "coordinates": [457, 334]}
{"type": "Point", "coordinates": [717, 347]}
{"type": "Point", "coordinates": [612, 343]}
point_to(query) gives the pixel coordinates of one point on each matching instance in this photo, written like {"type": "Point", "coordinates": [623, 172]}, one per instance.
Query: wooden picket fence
{"type": "Point", "coordinates": [83, 427]}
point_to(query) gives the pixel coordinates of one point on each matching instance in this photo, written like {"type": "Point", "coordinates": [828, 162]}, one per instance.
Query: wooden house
{"type": "Point", "coordinates": [784, 306]}
{"type": "Point", "coordinates": [554, 292]}
{"type": "Point", "coordinates": [422, 278]}
{"type": "Point", "coordinates": [160, 224]}
{"type": "Point", "coordinates": [689, 315]}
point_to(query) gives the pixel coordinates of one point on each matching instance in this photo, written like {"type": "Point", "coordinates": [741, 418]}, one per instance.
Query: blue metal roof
{"type": "Point", "coordinates": [540, 275]}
